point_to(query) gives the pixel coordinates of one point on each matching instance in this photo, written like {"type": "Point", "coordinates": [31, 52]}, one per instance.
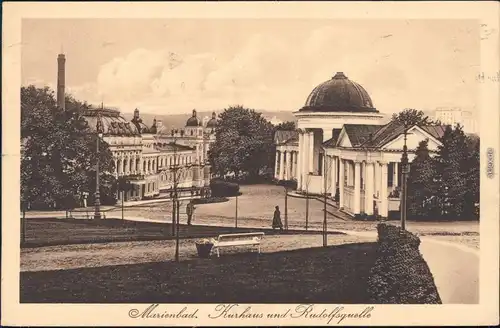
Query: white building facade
{"type": "Point", "coordinates": [149, 157]}
{"type": "Point", "coordinates": [454, 115]}
{"type": "Point", "coordinates": [343, 148]}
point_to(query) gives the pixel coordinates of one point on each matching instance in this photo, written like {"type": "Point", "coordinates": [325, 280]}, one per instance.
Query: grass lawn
{"type": "Point", "coordinates": [335, 274]}
{"type": "Point", "coordinates": [46, 232]}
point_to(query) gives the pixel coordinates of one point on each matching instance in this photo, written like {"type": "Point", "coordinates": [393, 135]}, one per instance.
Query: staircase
{"type": "Point", "coordinates": [332, 208]}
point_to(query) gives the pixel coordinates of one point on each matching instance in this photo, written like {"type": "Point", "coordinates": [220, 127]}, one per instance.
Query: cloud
{"type": "Point", "coordinates": [268, 72]}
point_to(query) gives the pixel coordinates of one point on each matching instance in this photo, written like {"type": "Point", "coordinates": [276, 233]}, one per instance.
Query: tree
{"type": "Point", "coordinates": [58, 151]}
{"type": "Point", "coordinates": [411, 117]}
{"type": "Point", "coordinates": [421, 184]}
{"type": "Point", "coordinates": [286, 126]}
{"type": "Point", "coordinates": [472, 180]}
{"type": "Point", "coordinates": [452, 171]}
{"type": "Point", "coordinates": [244, 143]}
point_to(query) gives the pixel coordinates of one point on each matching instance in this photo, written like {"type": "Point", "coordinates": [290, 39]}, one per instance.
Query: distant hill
{"type": "Point", "coordinates": [177, 121]}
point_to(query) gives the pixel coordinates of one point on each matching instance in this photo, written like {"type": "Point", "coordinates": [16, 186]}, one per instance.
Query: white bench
{"type": "Point", "coordinates": [238, 239]}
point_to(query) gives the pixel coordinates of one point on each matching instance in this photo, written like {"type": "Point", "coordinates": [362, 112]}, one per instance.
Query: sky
{"type": "Point", "coordinates": [173, 66]}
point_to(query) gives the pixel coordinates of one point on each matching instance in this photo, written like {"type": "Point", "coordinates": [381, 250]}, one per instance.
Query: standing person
{"type": "Point", "coordinates": [277, 219]}
{"type": "Point", "coordinates": [190, 211]}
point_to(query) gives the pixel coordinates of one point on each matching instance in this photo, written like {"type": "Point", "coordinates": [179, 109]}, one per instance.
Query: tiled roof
{"type": "Point", "coordinates": [360, 133]}
{"type": "Point", "coordinates": [384, 134]}
{"type": "Point", "coordinates": [437, 131]}
{"type": "Point", "coordinates": [333, 140]}
{"type": "Point", "coordinates": [281, 137]}
{"type": "Point", "coordinates": [393, 129]}
{"type": "Point", "coordinates": [112, 123]}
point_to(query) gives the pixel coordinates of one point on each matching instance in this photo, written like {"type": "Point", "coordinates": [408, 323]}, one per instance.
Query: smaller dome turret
{"type": "Point", "coordinates": [153, 129]}
{"type": "Point", "coordinates": [212, 123]}
{"type": "Point", "coordinates": [137, 121]}
{"type": "Point", "coordinates": [193, 121]}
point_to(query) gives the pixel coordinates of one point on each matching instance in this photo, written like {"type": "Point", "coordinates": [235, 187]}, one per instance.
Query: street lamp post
{"type": "Point", "coordinates": [405, 169]}
{"type": "Point", "coordinates": [286, 208]}
{"type": "Point", "coordinates": [236, 213]}
{"type": "Point", "coordinates": [325, 181]}
{"type": "Point", "coordinates": [97, 201]}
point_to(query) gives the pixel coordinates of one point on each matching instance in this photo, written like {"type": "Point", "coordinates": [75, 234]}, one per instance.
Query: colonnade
{"type": "Point", "coordinates": [363, 185]}
{"type": "Point", "coordinates": [286, 165]}
{"type": "Point", "coordinates": [136, 164]}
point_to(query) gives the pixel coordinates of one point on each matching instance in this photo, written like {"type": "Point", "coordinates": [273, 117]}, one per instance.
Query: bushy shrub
{"type": "Point", "coordinates": [210, 200]}
{"type": "Point", "coordinates": [221, 188]}
{"type": "Point", "coordinates": [365, 217]}
{"type": "Point", "coordinates": [289, 184]}
{"type": "Point", "coordinates": [400, 275]}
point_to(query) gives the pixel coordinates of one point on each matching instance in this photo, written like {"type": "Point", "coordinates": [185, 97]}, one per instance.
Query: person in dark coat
{"type": "Point", "coordinates": [277, 219]}
{"type": "Point", "coordinates": [190, 211]}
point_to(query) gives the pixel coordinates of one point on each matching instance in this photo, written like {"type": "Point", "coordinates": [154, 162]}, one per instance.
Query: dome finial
{"type": "Point", "coordinates": [340, 75]}
{"type": "Point", "coordinates": [194, 112]}
{"type": "Point", "coordinates": [214, 116]}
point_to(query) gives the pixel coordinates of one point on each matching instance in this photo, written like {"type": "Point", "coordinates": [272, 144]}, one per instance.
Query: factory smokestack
{"type": "Point", "coordinates": [61, 80]}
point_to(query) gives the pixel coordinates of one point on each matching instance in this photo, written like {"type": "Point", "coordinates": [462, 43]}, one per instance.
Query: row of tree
{"type": "Point", "coordinates": [58, 154]}
{"type": "Point", "coordinates": [445, 186]}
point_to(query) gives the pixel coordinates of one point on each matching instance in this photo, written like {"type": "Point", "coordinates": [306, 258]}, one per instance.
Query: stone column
{"type": "Point", "coordinates": [341, 182]}
{"type": "Point", "coordinates": [282, 164]}
{"type": "Point", "coordinates": [311, 152]}
{"type": "Point", "coordinates": [288, 171]}
{"type": "Point", "coordinates": [363, 175]}
{"type": "Point", "coordinates": [116, 166]}
{"type": "Point", "coordinates": [276, 167]}
{"type": "Point", "coordinates": [333, 173]}
{"type": "Point", "coordinates": [348, 172]}
{"type": "Point", "coordinates": [377, 179]}
{"type": "Point", "coordinates": [304, 160]}
{"type": "Point", "coordinates": [369, 188]}
{"type": "Point", "coordinates": [384, 204]}
{"type": "Point", "coordinates": [299, 163]}
{"type": "Point", "coordinates": [123, 164]}
{"type": "Point", "coordinates": [395, 176]}
{"type": "Point", "coordinates": [357, 187]}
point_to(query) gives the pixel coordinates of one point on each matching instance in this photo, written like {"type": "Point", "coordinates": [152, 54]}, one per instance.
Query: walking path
{"type": "Point", "coordinates": [455, 267]}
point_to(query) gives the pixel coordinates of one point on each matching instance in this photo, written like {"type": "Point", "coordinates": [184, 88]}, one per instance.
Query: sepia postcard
{"type": "Point", "coordinates": [250, 164]}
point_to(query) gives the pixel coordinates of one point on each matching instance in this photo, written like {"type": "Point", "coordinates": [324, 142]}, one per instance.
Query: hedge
{"type": "Point", "coordinates": [210, 200]}
{"type": "Point", "coordinates": [289, 184]}
{"type": "Point", "coordinates": [221, 188]}
{"type": "Point", "coordinates": [400, 275]}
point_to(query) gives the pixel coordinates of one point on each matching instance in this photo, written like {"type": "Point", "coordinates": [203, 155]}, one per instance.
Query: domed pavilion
{"type": "Point", "coordinates": [345, 144]}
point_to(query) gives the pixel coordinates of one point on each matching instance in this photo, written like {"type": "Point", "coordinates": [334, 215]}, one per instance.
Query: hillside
{"type": "Point", "coordinates": [176, 121]}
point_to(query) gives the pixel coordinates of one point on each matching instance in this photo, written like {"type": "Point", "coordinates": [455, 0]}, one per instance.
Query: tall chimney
{"type": "Point", "coordinates": [61, 80]}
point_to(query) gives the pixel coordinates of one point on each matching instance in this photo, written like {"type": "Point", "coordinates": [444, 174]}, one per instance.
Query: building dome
{"type": "Point", "coordinates": [339, 94]}
{"type": "Point", "coordinates": [212, 123]}
{"type": "Point", "coordinates": [110, 121]}
{"type": "Point", "coordinates": [137, 121]}
{"type": "Point", "coordinates": [193, 121]}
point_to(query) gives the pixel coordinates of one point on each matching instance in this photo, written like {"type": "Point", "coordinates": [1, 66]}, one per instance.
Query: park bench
{"type": "Point", "coordinates": [238, 239]}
